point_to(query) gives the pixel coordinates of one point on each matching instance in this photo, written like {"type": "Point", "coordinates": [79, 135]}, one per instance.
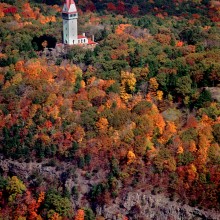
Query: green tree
{"type": "Point", "coordinates": [191, 35]}
{"type": "Point", "coordinates": [120, 117]}
{"type": "Point", "coordinates": [184, 85]}
{"type": "Point", "coordinates": [216, 132]}
{"type": "Point", "coordinates": [89, 214]}
{"type": "Point", "coordinates": [204, 97]}
{"type": "Point", "coordinates": [185, 158]}
{"type": "Point", "coordinates": [3, 183]}
{"type": "Point", "coordinates": [61, 205]}
{"type": "Point", "coordinates": [89, 118]}
{"type": "Point", "coordinates": [162, 79]}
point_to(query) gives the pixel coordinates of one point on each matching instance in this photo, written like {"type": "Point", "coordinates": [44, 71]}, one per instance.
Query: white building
{"type": "Point", "coordinates": [70, 30]}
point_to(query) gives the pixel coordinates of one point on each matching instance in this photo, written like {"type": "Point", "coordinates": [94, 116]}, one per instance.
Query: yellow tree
{"type": "Point", "coordinates": [178, 145]}
{"type": "Point", "coordinates": [160, 95]}
{"type": "Point", "coordinates": [159, 121]}
{"type": "Point", "coordinates": [192, 173]}
{"type": "Point", "coordinates": [169, 131]}
{"type": "Point", "coordinates": [192, 146]}
{"type": "Point", "coordinates": [2, 14]}
{"type": "Point", "coordinates": [102, 125]}
{"type": "Point", "coordinates": [14, 188]}
{"type": "Point", "coordinates": [19, 66]}
{"type": "Point", "coordinates": [153, 84]}
{"type": "Point", "coordinates": [79, 134]}
{"type": "Point", "coordinates": [128, 82]}
{"type": "Point", "coordinates": [130, 157]}
{"type": "Point", "coordinates": [17, 17]}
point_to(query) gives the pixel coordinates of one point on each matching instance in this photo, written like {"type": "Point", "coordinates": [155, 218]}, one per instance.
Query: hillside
{"type": "Point", "coordinates": [114, 132]}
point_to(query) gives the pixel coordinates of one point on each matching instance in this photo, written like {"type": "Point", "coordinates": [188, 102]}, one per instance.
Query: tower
{"type": "Point", "coordinates": [70, 16]}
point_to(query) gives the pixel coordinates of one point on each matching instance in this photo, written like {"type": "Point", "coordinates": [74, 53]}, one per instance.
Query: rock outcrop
{"type": "Point", "coordinates": [144, 205]}
{"type": "Point", "coordinates": [136, 204]}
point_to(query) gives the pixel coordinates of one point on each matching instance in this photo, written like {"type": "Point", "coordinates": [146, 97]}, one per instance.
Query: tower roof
{"type": "Point", "coordinates": [69, 2]}
{"type": "Point", "coordinates": [69, 6]}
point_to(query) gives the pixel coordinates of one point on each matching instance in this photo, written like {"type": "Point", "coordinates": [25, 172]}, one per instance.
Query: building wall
{"type": "Point", "coordinates": [83, 40]}
{"type": "Point", "coordinates": [70, 31]}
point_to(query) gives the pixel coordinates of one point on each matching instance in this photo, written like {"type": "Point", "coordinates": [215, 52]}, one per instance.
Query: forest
{"type": "Point", "coordinates": [140, 111]}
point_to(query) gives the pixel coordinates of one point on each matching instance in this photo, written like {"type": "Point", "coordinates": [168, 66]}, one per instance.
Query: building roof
{"type": "Point", "coordinates": [81, 36]}
{"type": "Point", "coordinates": [69, 7]}
{"type": "Point", "coordinates": [69, 2]}
{"type": "Point", "coordinates": [91, 42]}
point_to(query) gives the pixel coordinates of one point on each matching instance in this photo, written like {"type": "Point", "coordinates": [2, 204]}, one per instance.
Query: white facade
{"type": "Point", "coordinates": [70, 30]}
{"type": "Point", "coordinates": [70, 16]}
{"type": "Point", "coordinates": [82, 39]}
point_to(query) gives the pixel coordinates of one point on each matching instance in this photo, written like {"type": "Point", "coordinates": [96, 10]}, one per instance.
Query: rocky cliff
{"type": "Point", "coordinates": [136, 204]}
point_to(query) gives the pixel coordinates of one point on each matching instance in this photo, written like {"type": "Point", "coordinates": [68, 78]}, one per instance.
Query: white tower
{"type": "Point", "coordinates": [70, 16]}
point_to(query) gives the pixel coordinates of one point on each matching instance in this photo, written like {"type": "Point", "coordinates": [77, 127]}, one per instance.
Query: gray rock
{"type": "Point", "coordinates": [138, 204]}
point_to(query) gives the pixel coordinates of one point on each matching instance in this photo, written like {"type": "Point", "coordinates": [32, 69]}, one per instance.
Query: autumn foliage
{"type": "Point", "coordinates": [140, 111]}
